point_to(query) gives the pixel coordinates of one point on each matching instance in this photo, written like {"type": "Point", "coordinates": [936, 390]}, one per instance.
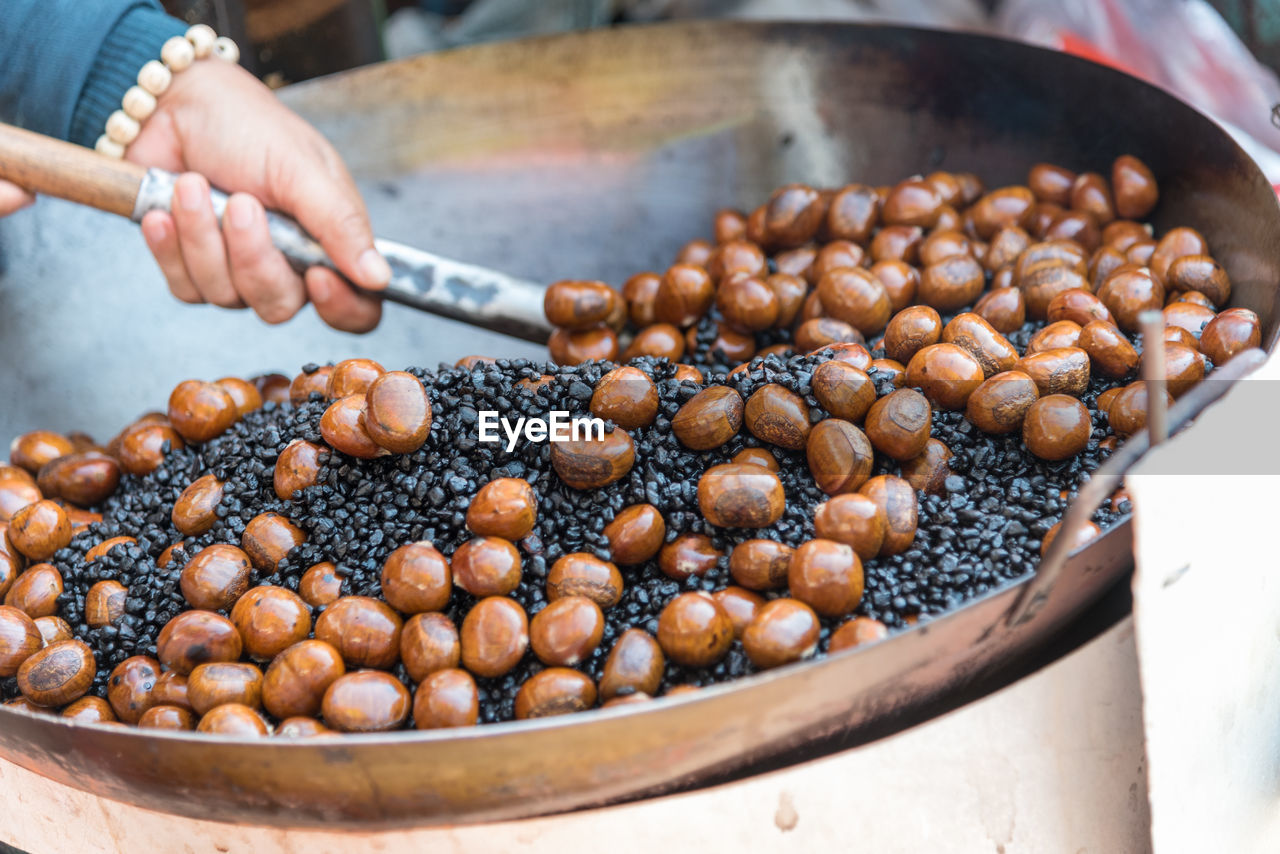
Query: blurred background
{"type": "Point", "coordinates": [1219, 55]}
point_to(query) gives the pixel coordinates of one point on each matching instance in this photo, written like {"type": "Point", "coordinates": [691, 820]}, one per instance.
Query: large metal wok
{"type": "Point", "coordinates": [597, 155]}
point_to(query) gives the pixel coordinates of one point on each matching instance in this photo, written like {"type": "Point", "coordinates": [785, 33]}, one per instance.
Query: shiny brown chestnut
{"type": "Point", "coordinates": [142, 447]}
{"type": "Point", "coordinates": [857, 632]}
{"type": "Point", "coordinates": [699, 251]}
{"type": "Point", "coordinates": [1000, 404]}
{"type": "Point", "coordinates": [574, 348]}
{"type": "Point", "coordinates": [790, 291]}
{"type": "Point", "coordinates": [365, 631]}
{"type": "Point", "coordinates": [1079, 535]}
{"type": "Point", "coordinates": [826, 576]}
{"type": "Point", "coordinates": [429, 642]}
{"type": "Point", "coordinates": [306, 384]}
{"type": "Point", "coordinates": [566, 631]}
{"type": "Point", "coordinates": [352, 377]}
{"type": "Point", "coordinates": [200, 411]}
{"type": "Point", "coordinates": [1004, 308]}
{"type": "Point", "coordinates": [130, 687]}
{"type": "Point", "coordinates": [739, 495]}
{"type": "Point", "coordinates": [31, 451]}
{"type": "Point", "coordinates": [1127, 413]}
{"type": "Point", "coordinates": [896, 500]}
{"type": "Point", "coordinates": [910, 331]}
{"type": "Point", "coordinates": [1042, 282]}
{"type": "Point", "coordinates": [640, 292]}
{"type": "Point", "coordinates": [736, 256]}
{"type": "Point", "coordinates": [53, 629]}
{"type": "Point", "coordinates": [635, 665]}
{"type": "Point", "coordinates": [167, 717]}
{"type": "Point", "coordinates": [495, 636]}
{"type": "Point", "coordinates": [684, 294]}
{"type": "Point", "coordinates": [694, 630]}
{"type": "Point", "coordinates": [1201, 274]}
{"type": "Point", "coordinates": [840, 456]}
{"type": "Point", "coordinates": [366, 701]}
{"type": "Point", "coordinates": [784, 630]}
{"type": "Point", "coordinates": [397, 413]}
{"type": "Point", "coordinates": [36, 591]}
{"type": "Point", "coordinates": [320, 585]}
{"type": "Point", "coordinates": [297, 468]}
{"type": "Point", "coordinates": [900, 280]}
{"type": "Point", "coordinates": [1000, 208]}
{"type": "Point", "coordinates": [1228, 334]}
{"type": "Point", "coordinates": [197, 637]}
{"type": "Point", "coordinates": [270, 620]}
{"type": "Point", "coordinates": [589, 463]}
{"type": "Point", "coordinates": [301, 728]}
{"type": "Point", "coordinates": [1051, 183]}
{"type": "Point", "coordinates": [777, 415]}
{"type": "Point", "coordinates": [1062, 333]}
{"type": "Point", "coordinates": [296, 681]}
{"type": "Point", "coordinates": [233, 719]}
{"type": "Point", "coordinates": [217, 683]}
{"type": "Point", "coordinates": [756, 457]}
{"type": "Point", "coordinates": [1183, 368]}
{"type": "Point", "coordinates": [897, 243]}
{"type": "Point", "coordinates": [344, 427]}
{"type": "Point", "coordinates": [104, 603]}
{"type": "Point", "coordinates": [1105, 261]}
{"type": "Point", "coordinates": [636, 534]}
{"type": "Point", "coordinates": [951, 283]}
{"type": "Point", "coordinates": [1005, 247]}
{"type": "Point", "coordinates": [39, 529]}
{"type": "Point", "coordinates": [268, 539]}
{"type": "Point", "coordinates": [929, 471]}
{"type": "Point", "coordinates": [58, 674]}
{"type": "Point", "coordinates": [747, 303]}
{"type": "Point", "coordinates": [417, 578]}
{"type": "Point", "coordinates": [554, 691]}
{"type": "Point", "coordinates": [741, 605]}
{"type": "Point", "coordinates": [627, 397]}
{"type": "Point", "coordinates": [91, 710]}
{"type": "Point", "coordinates": [1176, 243]}
{"type": "Point", "coordinates": [946, 373]}
{"type": "Point", "coordinates": [583, 574]}
{"type": "Point", "coordinates": [578, 305]}
{"type": "Point", "coordinates": [1078, 306]}
{"type": "Point", "coordinates": [823, 331]}
{"type": "Point", "coordinates": [1134, 187]}
{"type": "Point", "coordinates": [852, 519]}
{"type": "Point", "coordinates": [1128, 292]}
{"type": "Point", "coordinates": [85, 479]}
{"type": "Point", "coordinates": [20, 639]}
{"type": "Point", "coordinates": [1064, 370]}
{"type": "Point", "coordinates": [1056, 427]}
{"type": "Point", "coordinates": [843, 390]}
{"type": "Point", "coordinates": [760, 564]}
{"type": "Point", "coordinates": [688, 554]}
{"type": "Point", "coordinates": [446, 698]}
{"type": "Point", "coordinates": [244, 394]}
{"type": "Point", "coordinates": [660, 340]}
{"type": "Point", "coordinates": [1091, 192]}
{"type": "Point", "coordinates": [710, 418]}
{"type": "Point", "coordinates": [196, 509]}
{"type": "Point", "coordinates": [216, 578]}
{"type": "Point", "coordinates": [170, 689]}
{"type": "Point", "coordinates": [855, 296]}
{"type": "Point", "coordinates": [899, 424]}
{"type": "Point", "coordinates": [1188, 316]}
{"type": "Point", "coordinates": [1110, 352]}
{"type": "Point", "coordinates": [853, 212]}
{"type": "Point", "coordinates": [912, 202]}
{"type": "Point", "coordinates": [973, 334]}
{"type": "Point", "coordinates": [943, 243]}
{"type": "Point", "coordinates": [487, 566]}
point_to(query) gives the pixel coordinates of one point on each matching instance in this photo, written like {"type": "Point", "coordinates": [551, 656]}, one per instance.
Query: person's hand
{"type": "Point", "coordinates": [13, 198]}
{"type": "Point", "coordinates": [219, 124]}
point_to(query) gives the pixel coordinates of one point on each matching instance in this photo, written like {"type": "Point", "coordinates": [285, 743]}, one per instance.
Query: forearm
{"type": "Point", "coordinates": [64, 64]}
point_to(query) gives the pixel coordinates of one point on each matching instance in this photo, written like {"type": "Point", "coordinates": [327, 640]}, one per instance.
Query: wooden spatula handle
{"type": "Point", "coordinates": [42, 164]}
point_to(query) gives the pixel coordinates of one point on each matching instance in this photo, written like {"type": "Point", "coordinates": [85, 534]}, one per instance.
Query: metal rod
{"type": "Point", "coordinates": [1151, 322]}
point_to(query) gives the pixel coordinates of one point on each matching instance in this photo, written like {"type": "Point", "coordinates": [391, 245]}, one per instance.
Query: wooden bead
{"type": "Point", "coordinates": [196, 637]}
{"type": "Point", "coordinates": [416, 578]}
{"type": "Point", "coordinates": [36, 591]}
{"type": "Point", "coordinates": [178, 54]}
{"type": "Point", "coordinates": [627, 397]}
{"type": "Point", "coordinates": [122, 128]}
{"type": "Point", "coordinates": [1110, 352]}
{"type": "Point", "coordinates": [130, 687]}
{"type": "Point", "coordinates": [201, 411]}
{"type": "Point", "coordinates": [268, 539]}
{"type": "Point", "coordinates": [217, 683]}
{"type": "Point", "coordinates": [86, 478]}
{"type": "Point", "coordinates": [108, 147]}
{"type": "Point", "coordinates": [296, 681]}
{"type": "Point", "coordinates": [1000, 404]}
{"type": "Point", "coordinates": [741, 605]}
{"type": "Point", "coordinates": [827, 576]}
{"type": "Point", "coordinates": [365, 631]}
{"type": "Point", "coordinates": [578, 305]}
{"type": "Point", "coordinates": [40, 529]}
{"type": "Point", "coordinates": [566, 631]}
{"type": "Point", "coordinates": [635, 665]}
{"type": "Point", "coordinates": [784, 630]}
{"type": "Point", "coordinates": [779, 416]}
{"type": "Point", "coordinates": [19, 640]}
{"type": "Point", "coordinates": [154, 78]}
{"type": "Point", "coordinates": [710, 418]}
{"type": "Point", "coordinates": [429, 642]}
{"type": "Point", "coordinates": [855, 296]}
{"type": "Point", "coordinates": [495, 636]}
{"type": "Point", "coordinates": [1230, 333]}
{"type": "Point", "coordinates": [591, 463]}
{"type": "Point", "coordinates": [320, 585]}
{"type": "Point", "coordinates": [202, 38]}
{"type": "Point", "coordinates": [270, 620]}
{"type": "Point", "coordinates": [1003, 307]}
{"type": "Point", "coordinates": [195, 511]}
{"type": "Point", "coordinates": [857, 632]}
{"type": "Point", "coordinates": [487, 566]}
{"type": "Point", "coordinates": [216, 578]}
{"type": "Point", "coordinates": [635, 534]}
{"type": "Point", "coordinates": [104, 604]}
{"type": "Point", "coordinates": [899, 424]}
{"type": "Point", "coordinates": [58, 674]}
{"type": "Point", "coordinates": [583, 574]}
{"type": "Point", "coordinates": [306, 384]}
{"type": "Point", "coordinates": [397, 412]}
{"type": "Point", "coordinates": [554, 691]}
{"type": "Point", "coordinates": [297, 468]}
{"type": "Point", "coordinates": [688, 554]}
{"type": "Point", "coordinates": [345, 427]}
{"type": "Point", "coordinates": [90, 710]}
{"type": "Point", "coordinates": [1057, 427]}
{"type": "Point", "coordinates": [735, 495]}
{"type": "Point", "coordinates": [446, 698]}
{"type": "Point", "coordinates": [839, 455]}
{"type": "Point", "coordinates": [694, 631]}
{"type": "Point", "coordinates": [854, 520]}
{"type": "Point", "coordinates": [167, 717]}
{"type": "Point", "coordinates": [928, 471]}
{"type": "Point", "coordinates": [1064, 370]}
{"type": "Point", "coordinates": [234, 719]}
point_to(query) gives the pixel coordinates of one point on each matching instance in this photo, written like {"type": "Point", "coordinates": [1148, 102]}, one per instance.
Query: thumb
{"type": "Point", "coordinates": [13, 198]}
{"type": "Point", "coordinates": [324, 199]}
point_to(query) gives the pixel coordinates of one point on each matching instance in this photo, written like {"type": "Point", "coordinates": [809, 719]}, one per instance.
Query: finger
{"type": "Point", "coordinates": [319, 193]}
{"type": "Point", "coordinates": [13, 198]}
{"type": "Point", "coordinates": [162, 239]}
{"type": "Point", "coordinates": [200, 239]}
{"type": "Point", "coordinates": [339, 305]}
{"type": "Point", "coordinates": [261, 275]}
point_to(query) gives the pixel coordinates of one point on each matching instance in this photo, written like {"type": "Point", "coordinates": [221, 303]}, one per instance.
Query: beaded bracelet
{"type": "Point", "coordinates": [177, 54]}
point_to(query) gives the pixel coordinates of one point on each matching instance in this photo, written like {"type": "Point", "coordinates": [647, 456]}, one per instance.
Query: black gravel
{"type": "Point", "coordinates": [982, 534]}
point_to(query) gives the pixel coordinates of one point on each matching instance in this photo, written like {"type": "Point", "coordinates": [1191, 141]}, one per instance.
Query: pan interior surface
{"type": "Point", "coordinates": [595, 156]}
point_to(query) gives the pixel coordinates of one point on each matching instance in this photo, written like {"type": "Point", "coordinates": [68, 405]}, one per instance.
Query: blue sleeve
{"type": "Point", "coordinates": [65, 64]}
